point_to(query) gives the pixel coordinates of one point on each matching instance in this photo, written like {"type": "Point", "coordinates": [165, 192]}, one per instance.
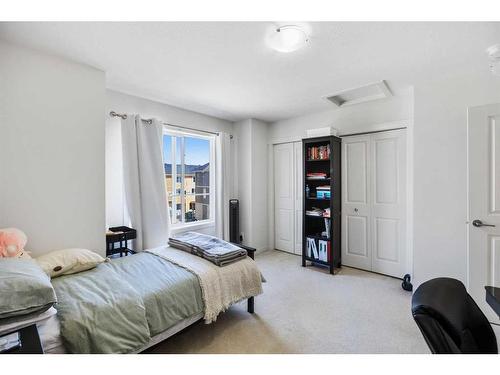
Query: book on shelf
{"type": "Point", "coordinates": [315, 211]}
{"type": "Point", "coordinates": [316, 176]}
{"type": "Point", "coordinates": [326, 213]}
{"type": "Point", "coordinates": [323, 194]}
{"type": "Point", "coordinates": [318, 152]}
{"type": "Point", "coordinates": [327, 226]}
{"type": "Point", "coordinates": [319, 250]}
{"type": "Point", "coordinates": [323, 250]}
{"type": "Point", "coordinates": [312, 250]}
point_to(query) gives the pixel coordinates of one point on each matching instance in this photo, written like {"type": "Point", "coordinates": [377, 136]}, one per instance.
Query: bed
{"type": "Point", "coordinates": [132, 303]}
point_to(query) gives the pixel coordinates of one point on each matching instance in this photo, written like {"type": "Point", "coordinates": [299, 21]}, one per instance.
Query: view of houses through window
{"type": "Point", "coordinates": [187, 176]}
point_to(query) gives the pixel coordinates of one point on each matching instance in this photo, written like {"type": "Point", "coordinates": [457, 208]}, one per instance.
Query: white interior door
{"type": "Point", "coordinates": [298, 193]}
{"type": "Point", "coordinates": [284, 200]}
{"type": "Point", "coordinates": [484, 203]}
{"type": "Point", "coordinates": [356, 211]}
{"type": "Point", "coordinates": [388, 190]}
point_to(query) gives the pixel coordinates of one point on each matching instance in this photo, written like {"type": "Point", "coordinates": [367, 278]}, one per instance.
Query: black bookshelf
{"type": "Point", "coordinates": [322, 159]}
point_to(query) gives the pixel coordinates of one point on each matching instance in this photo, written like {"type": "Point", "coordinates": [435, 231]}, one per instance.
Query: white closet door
{"type": "Point", "coordinates": [284, 200]}
{"type": "Point", "coordinates": [356, 244]}
{"type": "Point", "coordinates": [388, 223]}
{"type": "Point", "coordinates": [374, 202]}
{"type": "Point", "coordinates": [299, 179]}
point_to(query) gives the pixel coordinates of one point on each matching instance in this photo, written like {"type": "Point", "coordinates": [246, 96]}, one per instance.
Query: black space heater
{"type": "Point", "coordinates": [234, 221]}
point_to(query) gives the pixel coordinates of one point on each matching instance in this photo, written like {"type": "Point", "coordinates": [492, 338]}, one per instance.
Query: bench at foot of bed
{"type": "Point", "coordinates": [251, 254]}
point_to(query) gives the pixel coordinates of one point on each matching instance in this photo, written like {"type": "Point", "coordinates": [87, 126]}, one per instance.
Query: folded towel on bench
{"type": "Point", "coordinates": [211, 248]}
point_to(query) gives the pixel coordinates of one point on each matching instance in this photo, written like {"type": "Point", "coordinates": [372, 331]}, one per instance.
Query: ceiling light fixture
{"type": "Point", "coordinates": [494, 56]}
{"type": "Point", "coordinates": [288, 38]}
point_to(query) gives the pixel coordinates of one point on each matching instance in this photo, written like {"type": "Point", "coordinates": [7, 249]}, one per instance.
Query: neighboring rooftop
{"type": "Point", "coordinates": [189, 168]}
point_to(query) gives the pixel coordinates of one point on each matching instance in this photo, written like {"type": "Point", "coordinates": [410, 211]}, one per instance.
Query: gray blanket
{"type": "Point", "coordinates": [211, 248]}
{"type": "Point", "coordinates": [118, 306]}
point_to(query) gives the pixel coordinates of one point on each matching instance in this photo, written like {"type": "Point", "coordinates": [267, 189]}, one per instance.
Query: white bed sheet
{"type": "Point", "coordinates": [4, 328]}
{"type": "Point", "coordinates": [50, 336]}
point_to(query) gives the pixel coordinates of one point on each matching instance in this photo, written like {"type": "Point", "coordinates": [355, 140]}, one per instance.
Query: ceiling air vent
{"type": "Point", "coordinates": [373, 91]}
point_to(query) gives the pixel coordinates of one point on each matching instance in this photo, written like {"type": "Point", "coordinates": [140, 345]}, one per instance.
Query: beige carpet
{"type": "Point", "coordinates": [306, 310]}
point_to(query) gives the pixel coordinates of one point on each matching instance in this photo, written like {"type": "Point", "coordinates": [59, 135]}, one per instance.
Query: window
{"type": "Point", "coordinates": [189, 176]}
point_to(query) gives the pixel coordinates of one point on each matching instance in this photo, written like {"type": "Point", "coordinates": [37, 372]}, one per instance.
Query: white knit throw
{"type": "Point", "coordinates": [220, 286]}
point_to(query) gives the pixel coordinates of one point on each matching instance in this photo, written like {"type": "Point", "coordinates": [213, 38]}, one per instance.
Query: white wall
{"type": "Point", "coordinates": [115, 210]}
{"type": "Point", "coordinates": [51, 150]}
{"type": "Point", "coordinates": [123, 103]}
{"type": "Point", "coordinates": [252, 138]}
{"type": "Point", "coordinates": [435, 112]}
{"type": "Point", "coordinates": [371, 116]}
{"type": "Point", "coordinates": [243, 134]}
{"type": "Point", "coordinates": [376, 115]}
{"type": "Point", "coordinates": [260, 224]}
{"type": "Point", "coordinates": [440, 159]}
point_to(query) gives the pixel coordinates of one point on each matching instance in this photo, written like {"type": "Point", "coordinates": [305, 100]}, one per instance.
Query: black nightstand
{"type": "Point", "coordinates": [30, 341]}
{"type": "Point", "coordinates": [120, 235]}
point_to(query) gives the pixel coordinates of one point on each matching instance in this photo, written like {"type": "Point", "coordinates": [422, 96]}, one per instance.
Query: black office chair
{"type": "Point", "coordinates": [450, 320]}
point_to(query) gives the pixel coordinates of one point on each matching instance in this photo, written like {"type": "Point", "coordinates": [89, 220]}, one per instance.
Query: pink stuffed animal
{"type": "Point", "coordinates": [12, 242]}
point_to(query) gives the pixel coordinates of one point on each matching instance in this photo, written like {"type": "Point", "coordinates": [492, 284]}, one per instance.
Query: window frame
{"type": "Point", "coordinates": [174, 133]}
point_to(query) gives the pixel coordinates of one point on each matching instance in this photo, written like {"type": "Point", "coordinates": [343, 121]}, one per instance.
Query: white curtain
{"type": "Point", "coordinates": [223, 184]}
{"type": "Point", "coordinates": [144, 181]}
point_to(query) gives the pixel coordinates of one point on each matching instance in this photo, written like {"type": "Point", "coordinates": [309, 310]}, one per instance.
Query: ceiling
{"type": "Point", "coordinates": [225, 69]}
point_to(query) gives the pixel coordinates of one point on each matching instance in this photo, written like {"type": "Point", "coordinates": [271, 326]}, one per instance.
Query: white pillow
{"type": "Point", "coordinates": [67, 261]}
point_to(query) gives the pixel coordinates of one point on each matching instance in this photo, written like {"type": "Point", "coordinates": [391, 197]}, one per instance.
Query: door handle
{"type": "Point", "coordinates": [478, 223]}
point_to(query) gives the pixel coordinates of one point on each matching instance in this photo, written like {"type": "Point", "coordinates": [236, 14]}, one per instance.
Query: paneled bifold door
{"type": "Point", "coordinates": [374, 202]}
{"type": "Point", "coordinates": [288, 197]}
